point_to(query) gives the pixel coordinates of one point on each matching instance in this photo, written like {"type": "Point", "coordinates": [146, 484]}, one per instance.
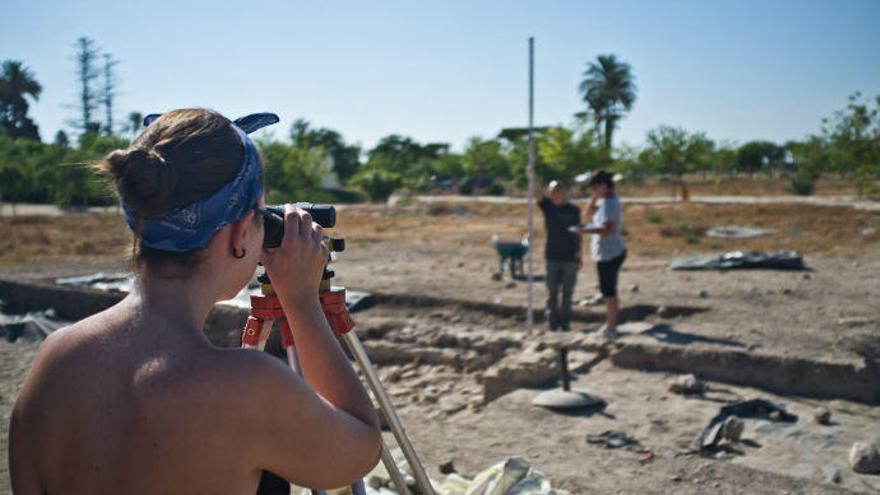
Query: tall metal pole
{"type": "Point", "coordinates": [530, 172]}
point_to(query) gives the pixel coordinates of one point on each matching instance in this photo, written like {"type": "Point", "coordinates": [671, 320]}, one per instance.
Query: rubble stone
{"type": "Point", "coordinates": [527, 368]}
{"type": "Point", "coordinates": [452, 403]}
{"type": "Point", "coordinates": [822, 416]}
{"type": "Point", "coordinates": [854, 321]}
{"type": "Point", "coordinates": [864, 458]}
{"type": "Point", "coordinates": [835, 476]}
{"type": "Point", "coordinates": [665, 312]}
{"type": "Point", "coordinates": [687, 384]}
{"type": "Point", "coordinates": [732, 429]}
{"type": "Point", "coordinates": [447, 467]}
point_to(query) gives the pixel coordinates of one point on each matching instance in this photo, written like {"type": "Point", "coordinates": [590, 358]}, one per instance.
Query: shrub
{"type": "Point", "coordinates": [653, 216]}
{"type": "Point", "coordinates": [466, 188]}
{"type": "Point", "coordinates": [495, 189]}
{"type": "Point", "coordinates": [683, 229]}
{"type": "Point", "coordinates": [803, 183]}
{"type": "Point", "coordinates": [377, 184]}
{"type": "Point", "coordinates": [691, 238]}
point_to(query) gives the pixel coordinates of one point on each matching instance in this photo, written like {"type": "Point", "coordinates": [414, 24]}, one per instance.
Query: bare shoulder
{"type": "Point", "coordinates": [241, 366]}
{"type": "Point", "coordinates": [71, 338]}
{"type": "Point", "coordinates": [245, 374]}
{"type": "Point", "coordinates": [60, 344]}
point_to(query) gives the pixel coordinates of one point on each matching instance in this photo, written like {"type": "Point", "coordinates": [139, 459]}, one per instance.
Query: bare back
{"type": "Point", "coordinates": [109, 408]}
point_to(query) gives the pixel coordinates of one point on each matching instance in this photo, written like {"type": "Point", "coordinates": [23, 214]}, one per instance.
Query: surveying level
{"type": "Point", "coordinates": [266, 309]}
{"type": "Point", "coordinates": [273, 221]}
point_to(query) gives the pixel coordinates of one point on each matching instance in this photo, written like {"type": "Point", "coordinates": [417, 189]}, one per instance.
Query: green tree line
{"type": "Point", "coordinates": [317, 164]}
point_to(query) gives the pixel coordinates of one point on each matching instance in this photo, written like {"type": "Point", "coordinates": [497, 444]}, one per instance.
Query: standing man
{"type": "Point", "coordinates": [562, 252]}
{"type": "Point", "coordinates": [607, 245]}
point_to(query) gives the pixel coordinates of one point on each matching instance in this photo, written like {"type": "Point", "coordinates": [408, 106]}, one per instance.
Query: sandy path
{"type": "Point", "coordinates": [851, 201]}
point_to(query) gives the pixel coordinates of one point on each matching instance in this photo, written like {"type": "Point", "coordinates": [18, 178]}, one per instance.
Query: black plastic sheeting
{"type": "Point", "coordinates": [752, 408]}
{"type": "Point", "coordinates": [32, 327]}
{"type": "Point", "coordinates": [782, 260]}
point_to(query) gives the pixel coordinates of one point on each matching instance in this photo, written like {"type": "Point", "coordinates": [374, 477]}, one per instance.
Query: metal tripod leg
{"type": "Point", "coordinates": [360, 355]}
{"type": "Point", "coordinates": [393, 471]}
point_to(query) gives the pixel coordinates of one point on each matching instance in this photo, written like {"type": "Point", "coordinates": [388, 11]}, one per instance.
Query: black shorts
{"type": "Point", "coordinates": [608, 274]}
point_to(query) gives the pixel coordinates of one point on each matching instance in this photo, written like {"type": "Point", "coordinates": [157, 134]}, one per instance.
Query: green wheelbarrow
{"type": "Point", "coordinates": [512, 253]}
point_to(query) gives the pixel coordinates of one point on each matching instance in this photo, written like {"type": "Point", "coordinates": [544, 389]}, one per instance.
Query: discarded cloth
{"type": "Point", "coordinates": [713, 433]}
{"type": "Point", "coordinates": [617, 440]}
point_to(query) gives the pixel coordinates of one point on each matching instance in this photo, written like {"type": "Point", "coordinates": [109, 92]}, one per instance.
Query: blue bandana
{"type": "Point", "coordinates": [192, 226]}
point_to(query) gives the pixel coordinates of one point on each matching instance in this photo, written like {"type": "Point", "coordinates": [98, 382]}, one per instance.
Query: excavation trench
{"type": "Point", "coordinates": [488, 342]}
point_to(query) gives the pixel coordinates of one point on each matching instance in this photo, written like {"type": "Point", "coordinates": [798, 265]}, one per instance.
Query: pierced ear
{"type": "Point", "coordinates": [239, 230]}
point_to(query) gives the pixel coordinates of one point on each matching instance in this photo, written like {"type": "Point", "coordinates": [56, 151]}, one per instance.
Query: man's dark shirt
{"type": "Point", "coordinates": [561, 245]}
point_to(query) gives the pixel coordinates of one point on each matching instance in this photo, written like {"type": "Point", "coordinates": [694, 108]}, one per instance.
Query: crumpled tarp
{"type": "Point", "coordinates": [782, 260]}
{"type": "Point", "coordinates": [515, 476]}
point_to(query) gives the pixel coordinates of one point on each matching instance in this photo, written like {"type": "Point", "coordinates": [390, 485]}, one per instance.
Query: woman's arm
{"type": "Point", "coordinates": [336, 424]}
{"type": "Point", "coordinates": [591, 207]}
{"type": "Point", "coordinates": [296, 270]}
{"type": "Point", "coordinates": [606, 229]}
{"type": "Point", "coordinates": [285, 427]}
{"type": "Point", "coordinates": [538, 192]}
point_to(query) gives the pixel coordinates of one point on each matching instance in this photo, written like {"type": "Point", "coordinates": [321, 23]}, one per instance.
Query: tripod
{"type": "Point", "coordinates": [266, 309]}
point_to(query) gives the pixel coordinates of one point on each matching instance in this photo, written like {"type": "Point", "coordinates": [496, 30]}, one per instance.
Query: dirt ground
{"type": "Point", "coordinates": [756, 185]}
{"type": "Point", "coordinates": [442, 249]}
{"type": "Point", "coordinates": [640, 405]}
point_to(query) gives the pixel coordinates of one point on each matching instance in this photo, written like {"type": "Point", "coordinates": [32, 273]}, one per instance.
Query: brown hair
{"type": "Point", "coordinates": [602, 177]}
{"type": "Point", "coordinates": [184, 156]}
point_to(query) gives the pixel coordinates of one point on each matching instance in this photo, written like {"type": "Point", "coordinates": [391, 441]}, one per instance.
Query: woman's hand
{"type": "Point", "coordinates": [297, 265]}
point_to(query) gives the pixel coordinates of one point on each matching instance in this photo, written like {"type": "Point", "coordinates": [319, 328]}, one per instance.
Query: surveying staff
{"type": "Point", "coordinates": [136, 400]}
{"type": "Point", "coordinates": [607, 246]}
{"type": "Point", "coordinates": [562, 252]}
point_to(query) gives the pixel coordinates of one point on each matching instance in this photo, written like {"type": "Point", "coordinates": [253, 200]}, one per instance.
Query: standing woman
{"type": "Point", "coordinates": [136, 400]}
{"type": "Point", "coordinates": [607, 246]}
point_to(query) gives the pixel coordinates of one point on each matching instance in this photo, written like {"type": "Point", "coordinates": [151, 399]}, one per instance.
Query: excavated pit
{"type": "Point", "coordinates": [453, 367]}
{"type": "Point", "coordinates": [489, 344]}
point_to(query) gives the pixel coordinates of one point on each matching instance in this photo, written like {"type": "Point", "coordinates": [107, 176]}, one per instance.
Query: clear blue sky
{"type": "Point", "coordinates": [445, 71]}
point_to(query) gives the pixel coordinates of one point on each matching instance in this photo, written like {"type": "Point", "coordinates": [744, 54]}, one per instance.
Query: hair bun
{"type": "Point", "coordinates": [145, 181]}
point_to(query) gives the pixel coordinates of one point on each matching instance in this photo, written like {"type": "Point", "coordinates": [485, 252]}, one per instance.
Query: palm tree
{"type": "Point", "coordinates": [17, 82]}
{"type": "Point", "coordinates": [609, 91]}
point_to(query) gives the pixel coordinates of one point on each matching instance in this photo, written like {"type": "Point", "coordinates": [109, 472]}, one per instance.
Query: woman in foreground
{"type": "Point", "coordinates": [135, 399]}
